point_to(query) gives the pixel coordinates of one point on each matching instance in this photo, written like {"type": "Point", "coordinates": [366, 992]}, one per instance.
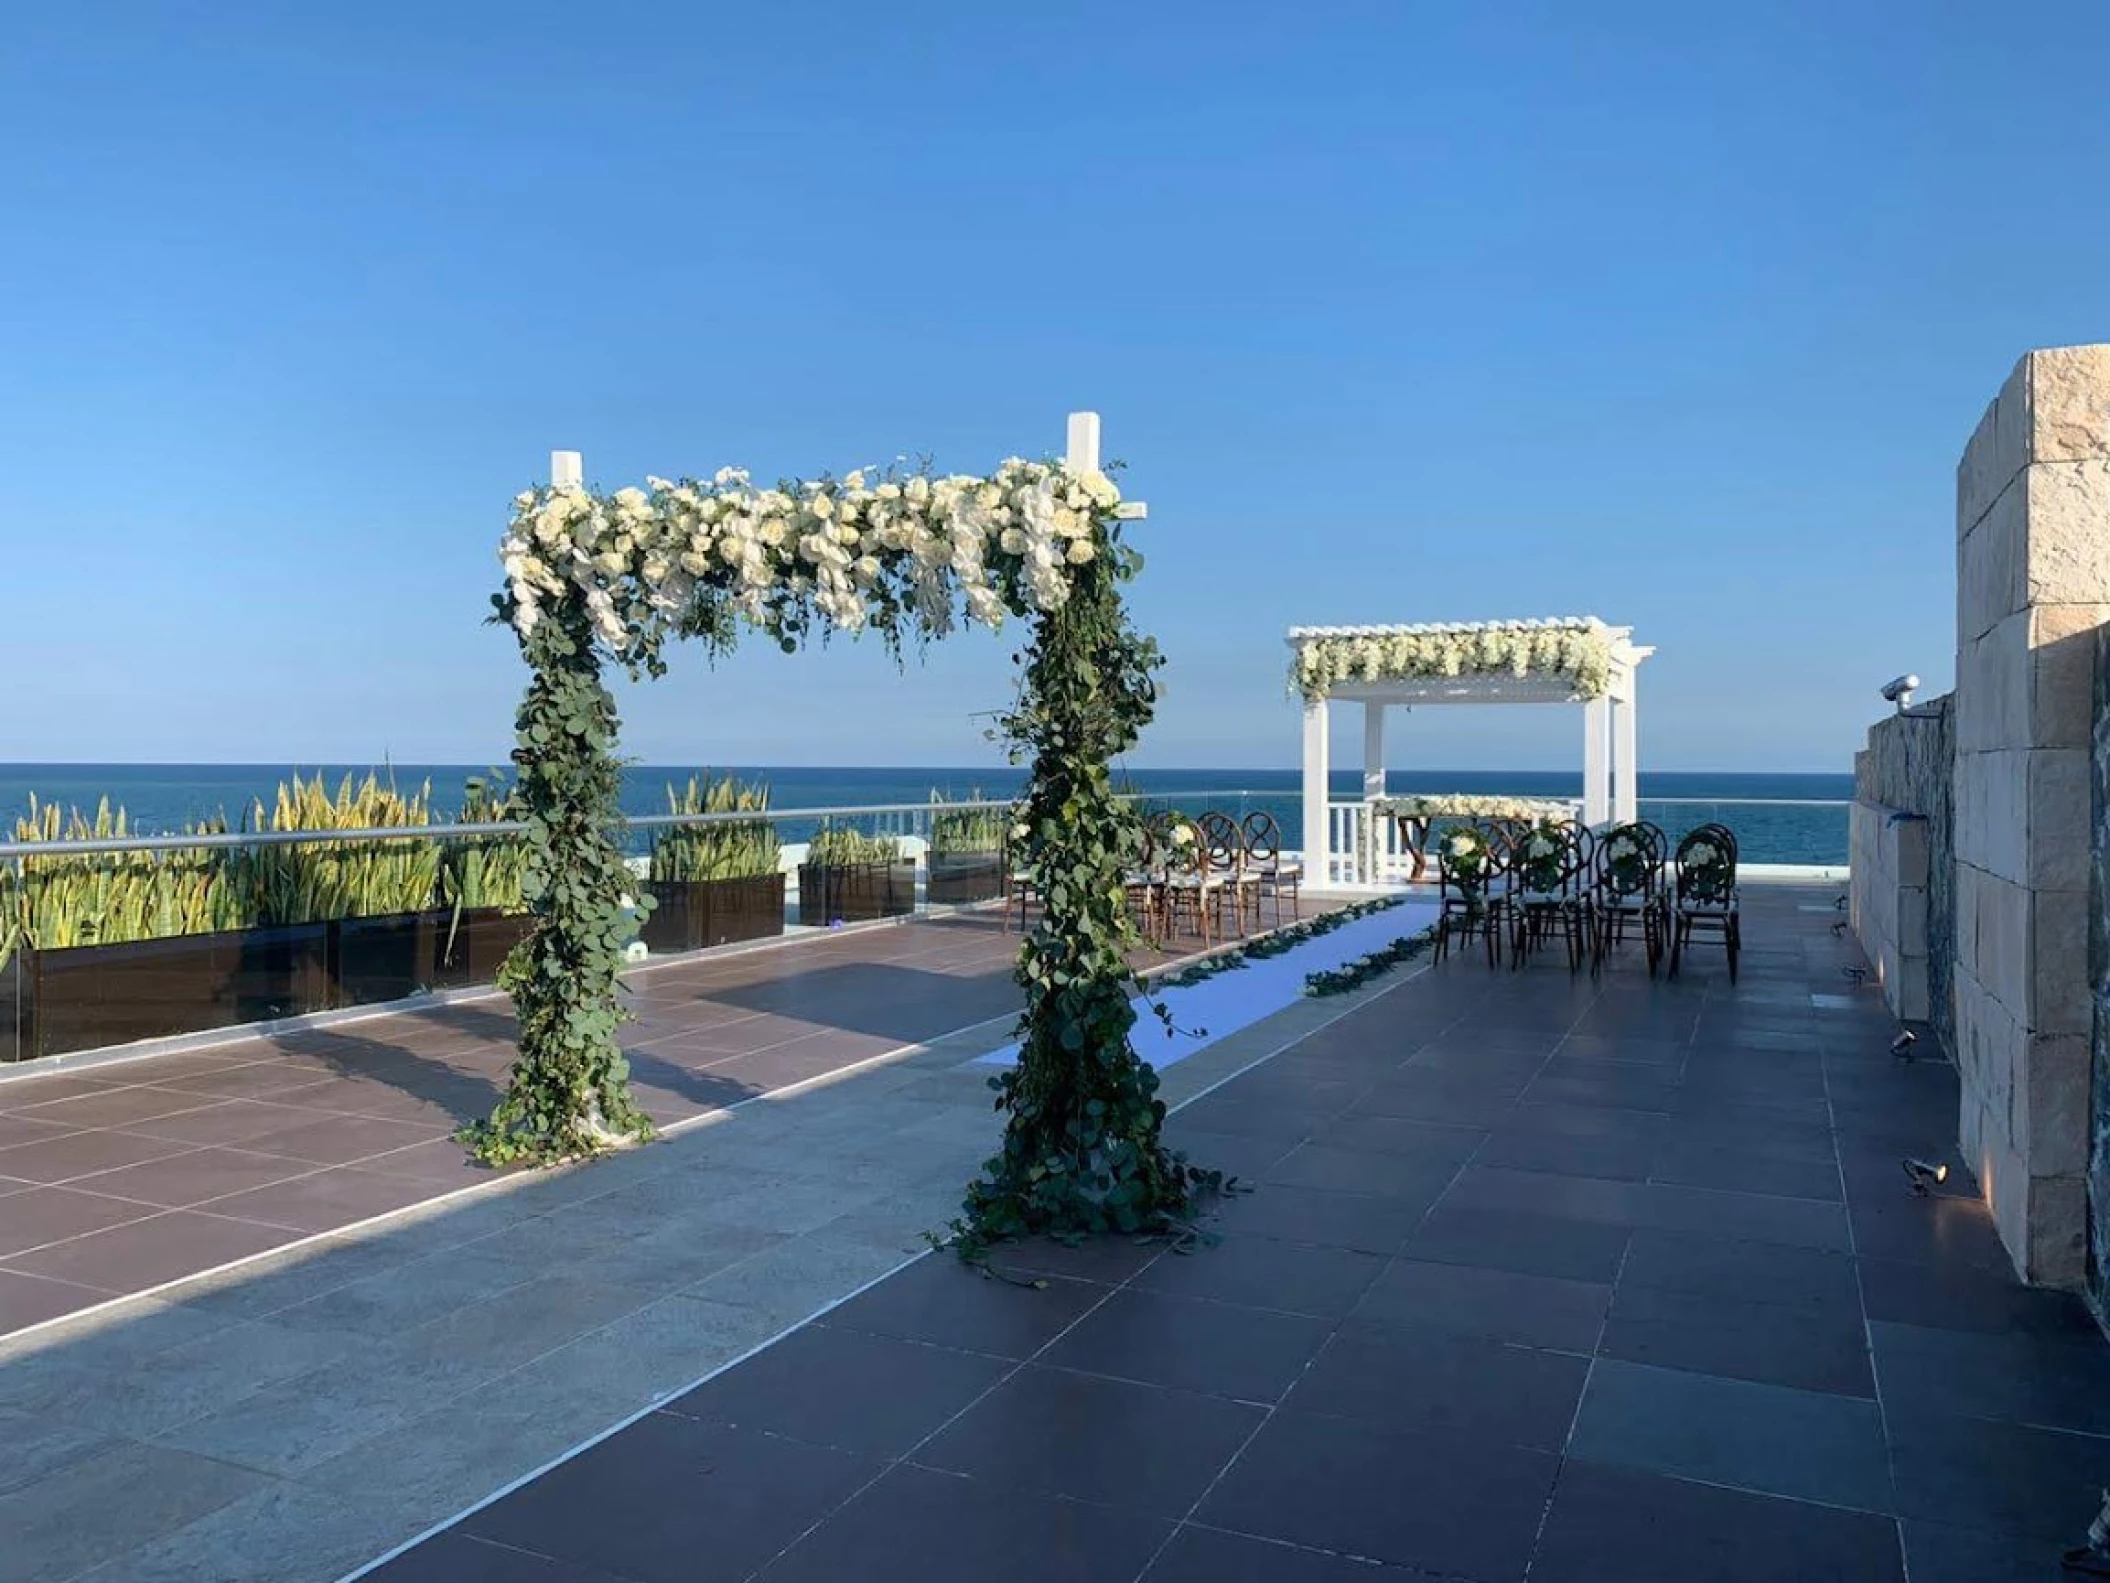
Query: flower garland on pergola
{"type": "Point", "coordinates": [1577, 651]}
{"type": "Point", "coordinates": [596, 579]}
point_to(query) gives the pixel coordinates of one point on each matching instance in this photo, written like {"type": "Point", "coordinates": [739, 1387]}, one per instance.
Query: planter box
{"type": "Point", "coordinates": [384, 958]}
{"type": "Point", "coordinates": [17, 1038]}
{"type": "Point", "coordinates": [84, 997]}
{"type": "Point", "coordinates": [960, 877]}
{"type": "Point", "coordinates": [855, 894]}
{"type": "Point", "coordinates": [692, 915]}
{"type": "Point", "coordinates": [471, 949]}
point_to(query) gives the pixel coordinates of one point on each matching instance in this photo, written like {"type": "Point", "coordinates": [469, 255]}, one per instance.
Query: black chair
{"type": "Point", "coordinates": [1469, 884]}
{"type": "Point", "coordinates": [1628, 889]}
{"type": "Point", "coordinates": [1704, 894]}
{"type": "Point", "coordinates": [1551, 872]}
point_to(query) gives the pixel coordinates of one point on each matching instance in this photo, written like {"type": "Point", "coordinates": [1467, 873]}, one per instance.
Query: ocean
{"type": "Point", "coordinates": [1777, 818]}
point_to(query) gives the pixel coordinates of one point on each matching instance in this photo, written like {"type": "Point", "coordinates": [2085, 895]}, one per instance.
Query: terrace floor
{"type": "Point", "coordinates": [1614, 1280]}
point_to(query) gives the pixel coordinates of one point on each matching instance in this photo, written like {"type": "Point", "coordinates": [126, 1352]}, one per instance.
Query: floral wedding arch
{"type": "Point", "coordinates": [593, 580]}
{"type": "Point", "coordinates": [1564, 660]}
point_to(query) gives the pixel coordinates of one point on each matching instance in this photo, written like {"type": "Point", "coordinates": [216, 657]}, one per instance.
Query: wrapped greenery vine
{"type": "Point", "coordinates": [1083, 1147]}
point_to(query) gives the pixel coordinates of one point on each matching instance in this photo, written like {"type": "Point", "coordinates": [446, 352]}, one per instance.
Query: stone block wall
{"type": "Point", "coordinates": [2033, 585]}
{"type": "Point", "coordinates": [1902, 888]}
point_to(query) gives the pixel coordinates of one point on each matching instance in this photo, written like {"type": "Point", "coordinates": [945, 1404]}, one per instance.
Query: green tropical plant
{"type": "Point", "coordinates": [316, 881]}
{"type": "Point", "coordinates": [734, 849]}
{"type": "Point", "coordinates": [969, 829]}
{"type": "Point", "coordinates": [484, 871]}
{"type": "Point", "coordinates": [837, 846]}
{"type": "Point", "coordinates": [107, 898]}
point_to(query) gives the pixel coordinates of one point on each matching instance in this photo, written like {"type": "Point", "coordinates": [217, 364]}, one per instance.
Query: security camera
{"type": "Point", "coordinates": [1900, 691]}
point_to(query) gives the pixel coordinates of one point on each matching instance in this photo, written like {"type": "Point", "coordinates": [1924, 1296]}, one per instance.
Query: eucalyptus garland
{"type": "Point", "coordinates": [1083, 1149]}
{"type": "Point", "coordinates": [1272, 944]}
{"type": "Point", "coordinates": [1355, 974]}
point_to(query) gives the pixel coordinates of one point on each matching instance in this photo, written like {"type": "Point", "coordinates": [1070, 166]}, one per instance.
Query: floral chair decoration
{"type": "Point", "coordinates": [1704, 894]}
{"type": "Point", "coordinates": [1550, 868]}
{"type": "Point", "coordinates": [1468, 876]}
{"type": "Point", "coordinates": [1629, 890]}
{"type": "Point", "coordinates": [1194, 888]}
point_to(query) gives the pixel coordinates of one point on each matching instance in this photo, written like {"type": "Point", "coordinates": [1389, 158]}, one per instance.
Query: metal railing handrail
{"type": "Point", "coordinates": [1669, 802]}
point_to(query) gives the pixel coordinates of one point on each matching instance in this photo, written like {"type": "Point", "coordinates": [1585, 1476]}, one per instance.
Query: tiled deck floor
{"type": "Point", "coordinates": [1590, 1283]}
{"type": "Point", "coordinates": [122, 1178]}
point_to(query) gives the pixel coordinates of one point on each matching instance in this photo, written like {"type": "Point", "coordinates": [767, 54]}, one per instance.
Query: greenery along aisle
{"type": "Point", "coordinates": [605, 579]}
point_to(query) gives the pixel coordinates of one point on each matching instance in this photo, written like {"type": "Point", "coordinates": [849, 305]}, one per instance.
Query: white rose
{"type": "Point", "coordinates": [1013, 541]}
{"type": "Point", "coordinates": [1081, 552]}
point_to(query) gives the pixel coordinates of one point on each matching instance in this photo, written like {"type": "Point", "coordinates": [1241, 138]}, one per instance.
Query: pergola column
{"type": "Point", "coordinates": [1597, 762]}
{"type": "Point", "coordinates": [1373, 750]}
{"type": "Point", "coordinates": [1626, 759]}
{"type": "Point", "coordinates": [1318, 869]}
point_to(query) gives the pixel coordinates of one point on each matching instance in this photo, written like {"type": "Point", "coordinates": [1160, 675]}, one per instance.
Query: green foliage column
{"type": "Point", "coordinates": [569, 1094]}
{"type": "Point", "coordinates": [1082, 1147]}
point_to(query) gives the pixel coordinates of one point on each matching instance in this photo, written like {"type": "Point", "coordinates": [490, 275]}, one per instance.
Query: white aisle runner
{"type": "Point", "coordinates": [1220, 1006]}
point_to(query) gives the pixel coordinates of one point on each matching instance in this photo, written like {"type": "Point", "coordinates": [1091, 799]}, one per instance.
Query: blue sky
{"type": "Point", "coordinates": [1398, 311]}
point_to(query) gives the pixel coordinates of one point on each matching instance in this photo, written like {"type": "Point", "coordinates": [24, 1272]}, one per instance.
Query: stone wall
{"type": "Point", "coordinates": [1902, 889]}
{"type": "Point", "coordinates": [2098, 1273]}
{"type": "Point", "coordinates": [2033, 585]}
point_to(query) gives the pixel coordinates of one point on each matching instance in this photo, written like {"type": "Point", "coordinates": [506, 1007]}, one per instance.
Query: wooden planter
{"type": "Point", "coordinates": [693, 915]}
{"type": "Point", "coordinates": [383, 958]}
{"type": "Point", "coordinates": [17, 1038]}
{"type": "Point", "coordinates": [856, 893]}
{"type": "Point", "coordinates": [471, 949]}
{"type": "Point", "coordinates": [957, 878]}
{"type": "Point", "coordinates": [84, 997]}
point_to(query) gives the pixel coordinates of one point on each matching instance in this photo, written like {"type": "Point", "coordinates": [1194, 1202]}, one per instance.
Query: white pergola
{"type": "Point", "coordinates": [1609, 725]}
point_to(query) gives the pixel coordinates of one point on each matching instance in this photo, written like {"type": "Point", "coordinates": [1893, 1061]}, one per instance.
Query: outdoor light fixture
{"type": "Point", "coordinates": [1924, 1177]}
{"type": "Point", "coordinates": [1901, 1046]}
{"type": "Point", "coordinates": [2093, 1558]}
{"type": "Point", "coordinates": [1900, 691]}
{"type": "Point", "coordinates": [1856, 976]}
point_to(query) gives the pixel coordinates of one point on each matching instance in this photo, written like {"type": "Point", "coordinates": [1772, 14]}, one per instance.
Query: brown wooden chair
{"type": "Point", "coordinates": [1263, 846]}
{"type": "Point", "coordinates": [1228, 859]}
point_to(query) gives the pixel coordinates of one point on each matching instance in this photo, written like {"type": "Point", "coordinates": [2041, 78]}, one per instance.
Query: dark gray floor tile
{"type": "Point", "coordinates": [1939, 1553]}
{"type": "Point", "coordinates": [1420, 1094]}
{"type": "Point", "coordinates": [870, 1395]}
{"type": "Point", "coordinates": [1686, 1164]}
{"type": "Point", "coordinates": [940, 1528]}
{"type": "Point", "coordinates": [1248, 1354]}
{"type": "Point", "coordinates": [1623, 1159]}
{"type": "Point", "coordinates": [456, 1558]}
{"type": "Point", "coordinates": [1244, 1157]}
{"type": "Point", "coordinates": [1207, 1555]}
{"type": "Point", "coordinates": [1364, 1221]}
{"type": "Point", "coordinates": [1751, 1216]}
{"type": "Point", "coordinates": [1504, 1239]}
{"type": "Point", "coordinates": [1952, 1231]}
{"type": "Point", "coordinates": [1108, 1260]}
{"type": "Point", "coordinates": [944, 1302]}
{"type": "Point", "coordinates": [2015, 1379]}
{"type": "Point", "coordinates": [1983, 1300]}
{"type": "Point", "coordinates": [1337, 1484]}
{"type": "Point", "coordinates": [1141, 1448]}
{"type": "Point", "coordinates": [1261, 1272]}
{"type": "Point", "coordinates": [1530, 1310]}
{"type": "Point", "coordinates": [1764, 1438]}
{"type": "Point", "coordinates": [1608, 1525]}
{"type": "Point", "coordinates": [90, 1510]}
{"type": "Point", "coordinates": [1977, 1474]}
{"type": "Point", "coordinates": [1413, 1377]}
{"type": "Point", "coordinates": [1360, 1171]}
{"type": "Point", "coordinates": [672, 1500]}
{"type": "Point", "coordinates": [1814, 1279]}
{"type": "Point", "coordinates": [1604, 1083]}
{"type": "Point", "coordinates": [1741, 1339]}
{"type": "Point", "coordinates": [1225, 1112]}
{"type": "Point", "coordinates": [1428, 1143]}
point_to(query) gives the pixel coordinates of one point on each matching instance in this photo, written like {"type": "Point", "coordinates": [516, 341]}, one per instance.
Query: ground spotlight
{"type": "Point", "coordinates": [1855, 975]}
{"type": "Point", "coordinates": [1924, 1177]}
{"type": "Point", "coordinates": [1901, 1046]}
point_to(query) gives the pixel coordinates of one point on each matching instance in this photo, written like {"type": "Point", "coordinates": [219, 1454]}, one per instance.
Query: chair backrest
{"type": "Point", "coordinates": [1630, 861]}
{"type": "Point", "coordinates": [1706, 865]}
{"type": "Point", "coordinates": [1223, 842]}
{"type": "Point", "coordinates": [1465, 862]}
{"type": "Point", "coordinates": [1552, 857]}
{"type": "Point", "coordinates": [1263, 837]}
